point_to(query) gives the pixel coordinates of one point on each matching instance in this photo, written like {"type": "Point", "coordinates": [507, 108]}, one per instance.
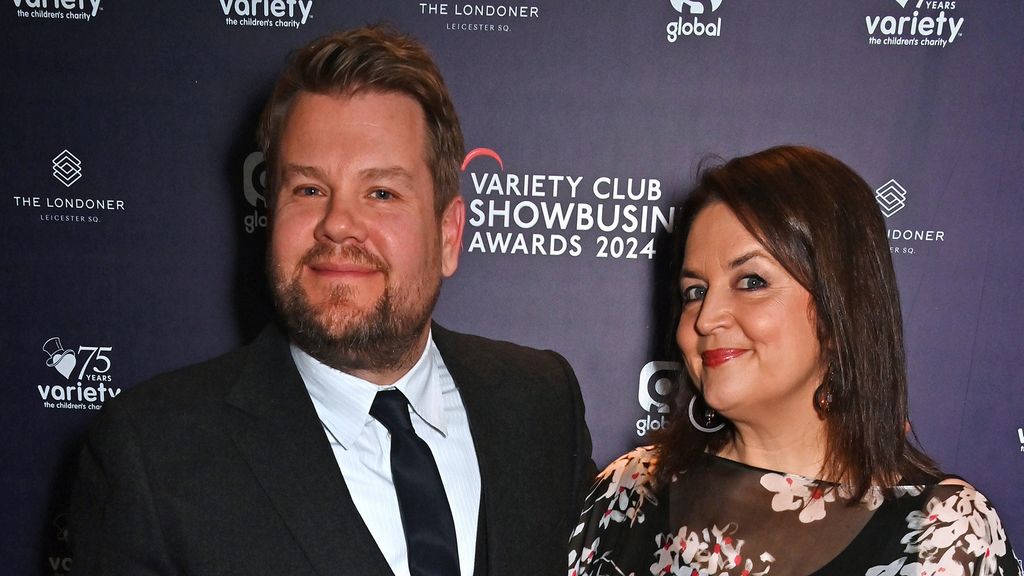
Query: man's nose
{"type": "Point", "coordinates": [343, 219]}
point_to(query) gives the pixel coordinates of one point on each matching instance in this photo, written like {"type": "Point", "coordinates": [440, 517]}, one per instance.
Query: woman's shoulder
{"type": "Point", "coordinates": [950, 503]}
{"type": "Point", "coordinates": [624, 489]}
{"type": "Point", "coordinates": [632, 472]}
{"type": "Point", "coordinates": [952, 494]}
{"type": "Point", "coordinates": [951, 524]}
{"type": "Point", "coordinates": [619, 518]}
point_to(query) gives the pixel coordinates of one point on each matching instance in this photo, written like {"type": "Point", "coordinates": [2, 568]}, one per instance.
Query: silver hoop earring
{"type": "Point", "coordinates": [709, 417]}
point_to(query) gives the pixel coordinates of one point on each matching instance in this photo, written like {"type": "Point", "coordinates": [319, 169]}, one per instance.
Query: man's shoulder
{"type": "Point", "coordinates": [204, 381]}
{"type": "Point", "coordinates": [495, 352]}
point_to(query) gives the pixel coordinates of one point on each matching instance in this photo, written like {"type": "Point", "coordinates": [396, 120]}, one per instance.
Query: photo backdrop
{"type": "Point", "coordinates": [133, 220]}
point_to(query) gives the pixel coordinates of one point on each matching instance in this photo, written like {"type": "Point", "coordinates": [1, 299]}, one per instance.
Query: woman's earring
{"type": "Point", "coordinates": [708, 419]}
{"type": "Point", "coordinates": [823, 395]}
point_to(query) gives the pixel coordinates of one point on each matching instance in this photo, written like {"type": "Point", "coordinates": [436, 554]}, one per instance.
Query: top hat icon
{"type": "Point", "coordinates": [61, 359]}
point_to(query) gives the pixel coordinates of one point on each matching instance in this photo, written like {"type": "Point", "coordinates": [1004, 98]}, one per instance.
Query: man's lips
{"type": "Point", "coordinates": [342, 269]}
{"type": "Point", "coordinates": [719, 356]}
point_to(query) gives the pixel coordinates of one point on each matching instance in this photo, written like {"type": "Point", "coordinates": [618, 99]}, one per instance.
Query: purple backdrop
{"type": "Point", "coordinates": [132, 215]}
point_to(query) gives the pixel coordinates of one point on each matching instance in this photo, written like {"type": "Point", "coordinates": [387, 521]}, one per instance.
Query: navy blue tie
{"type": "Point", "coordinates": [426, 516]}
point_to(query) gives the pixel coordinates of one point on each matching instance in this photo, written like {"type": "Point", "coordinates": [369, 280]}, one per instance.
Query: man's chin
{"type": "Point", "coordinates": [337, 320]}
{"type": "Point", "coordinates": [341, 302]}
{"type": "Point", "coordinates": [359, 344]}
{"type": "Point", "coordinates": [345, 332]}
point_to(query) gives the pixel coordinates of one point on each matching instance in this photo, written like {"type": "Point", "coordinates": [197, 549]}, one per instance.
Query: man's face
{"type": "Point", "coordinates": [357, 251]}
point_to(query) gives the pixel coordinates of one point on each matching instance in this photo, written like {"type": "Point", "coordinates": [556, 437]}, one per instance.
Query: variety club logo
{"type": "Point", "coordinates": [267, 13]}
{"type": "Point", "coordinates": [892, 198]}
{"type": "Point", "coordinates": [58, 9]}
{"type": "Point", "coordinates": [658, 384]}
{"type": "Point", "coordinates": [510, 212]}
{"type": "Point", "coordinates": [696, 19]}
{"type": "Point", "coordinates": [916, 23]}
{"type": "Point", "coordinates": [254, 186]}
{"type": "Point", "coordinates": [473, 17]}
{"type": "Point", "coordinates": [88, 367]}
{"type": "Point", "coordinates": [67, 168]}
{"type": "Point", "coordinates": [59, 560]}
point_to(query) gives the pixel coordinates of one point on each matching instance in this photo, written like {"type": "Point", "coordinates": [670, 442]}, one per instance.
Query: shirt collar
{"type": "Point", "coordinates": [342, 401]}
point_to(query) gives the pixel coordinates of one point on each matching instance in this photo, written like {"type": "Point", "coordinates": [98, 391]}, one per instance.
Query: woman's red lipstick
{"type": "Point", "coordinates": [719, 356]}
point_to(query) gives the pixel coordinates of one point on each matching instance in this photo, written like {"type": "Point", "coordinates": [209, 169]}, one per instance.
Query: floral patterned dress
{"type": "Point", "coordinates": [724, 518]}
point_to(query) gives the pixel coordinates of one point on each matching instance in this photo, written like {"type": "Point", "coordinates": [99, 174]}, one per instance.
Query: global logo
{"type": "Point", "coordinates": [891, 198]}
{"type": "Point", "coordinates": [658, 384]}
{"type": "Point", "coordinates": [254, 187]}
{"type": "Point", "coordinates": [685, 26]}
{"type": "Point", "coordinates": [67, 168]}
{"type": "Point", "coordinates": [694, 7]}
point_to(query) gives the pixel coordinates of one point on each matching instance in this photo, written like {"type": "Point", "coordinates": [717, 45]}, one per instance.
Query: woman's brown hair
{"type": "Point", "coordinates": [819, 220]}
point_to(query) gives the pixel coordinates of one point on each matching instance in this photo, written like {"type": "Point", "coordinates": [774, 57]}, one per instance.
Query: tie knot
{"type": "Point", "coordinates": [391, 408]}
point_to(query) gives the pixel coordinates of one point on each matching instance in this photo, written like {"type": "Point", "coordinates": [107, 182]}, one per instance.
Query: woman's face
{"type": "Point", "coordinates": [747, 330]}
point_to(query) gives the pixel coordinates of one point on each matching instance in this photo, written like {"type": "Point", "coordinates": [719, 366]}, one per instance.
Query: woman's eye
{"type": "Point", "coordinates": [692, 293]}
{"type": "Point", "coordinates": [380, 194]}
{"type": "Point", "coordinates": [752, 282]}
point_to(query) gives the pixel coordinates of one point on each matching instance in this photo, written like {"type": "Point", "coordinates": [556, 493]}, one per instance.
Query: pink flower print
{"type": "Point", "coordinates": [706, 553]}
{"type": "Point", "coordinates": [628, 488]}
{"type": "Point", "coordinates": [960, 534]}
{"type": "Point", "coordinates": [796, 492]}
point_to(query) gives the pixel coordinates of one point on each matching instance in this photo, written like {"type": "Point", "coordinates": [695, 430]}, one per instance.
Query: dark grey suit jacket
{"type": "Point", "coordinates": [224, 468]}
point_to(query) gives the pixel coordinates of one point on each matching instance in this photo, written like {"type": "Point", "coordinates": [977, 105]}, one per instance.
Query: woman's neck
{"type": "Point", "coordinates": [790, 448]}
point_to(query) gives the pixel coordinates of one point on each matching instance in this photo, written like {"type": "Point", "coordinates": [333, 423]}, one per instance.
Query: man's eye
{"type": "Point", "coordinates": [380, 194]}
{"type": "Point", "coordinates": [752, 282]}
{"type": "Point", "coordinates": [308, 191]}
{"type": "Point", "coordinates": [693, 293]}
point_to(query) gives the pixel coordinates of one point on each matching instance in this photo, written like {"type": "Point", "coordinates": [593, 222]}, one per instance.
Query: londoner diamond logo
{"type": "Point", "coordinates": [891, 197]}
{"type": "Point", "coordinates": [67, 169]}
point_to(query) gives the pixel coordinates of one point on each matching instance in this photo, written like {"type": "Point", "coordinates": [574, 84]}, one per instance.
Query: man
{"type": "Point", "coordinates": [363, 439]}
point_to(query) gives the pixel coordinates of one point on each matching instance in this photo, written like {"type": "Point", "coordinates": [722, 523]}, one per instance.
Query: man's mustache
{"type": "Point", "coordinates": [345, 253]}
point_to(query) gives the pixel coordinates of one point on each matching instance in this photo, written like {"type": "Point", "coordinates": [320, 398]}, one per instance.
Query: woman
{"type": "Point", "coordinates": [794, 458]}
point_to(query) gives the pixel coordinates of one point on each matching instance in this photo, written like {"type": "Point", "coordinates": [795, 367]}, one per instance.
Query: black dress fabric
{"type": "Point", "coordinates": [724, 518]}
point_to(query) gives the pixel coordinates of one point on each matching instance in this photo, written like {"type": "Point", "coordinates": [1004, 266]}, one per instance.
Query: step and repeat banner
{"type": "Point", "coordinates": [133, 216]}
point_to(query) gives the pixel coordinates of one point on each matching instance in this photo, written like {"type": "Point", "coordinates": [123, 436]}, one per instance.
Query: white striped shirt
{"type": "Point", "coordinates": [362, 447]}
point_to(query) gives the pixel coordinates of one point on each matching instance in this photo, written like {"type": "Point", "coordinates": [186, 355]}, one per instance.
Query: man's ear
{"type": "Point", "coordinates": [453, 220]}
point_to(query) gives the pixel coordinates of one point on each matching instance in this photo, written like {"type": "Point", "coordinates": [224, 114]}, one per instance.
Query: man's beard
{"type": "Point", "coordinates": [380, 339]}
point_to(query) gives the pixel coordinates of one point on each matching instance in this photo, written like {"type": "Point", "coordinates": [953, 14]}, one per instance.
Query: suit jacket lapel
{"type": "Point", "coordinates": [473, 379]}
{"type": "Point", "coordinates": [279, 433]}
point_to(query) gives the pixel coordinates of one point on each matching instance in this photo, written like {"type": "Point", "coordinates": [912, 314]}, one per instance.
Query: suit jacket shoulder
{"type": "Point", "coordinates": [529, 428]}
{"type": "Point", "coordinates": [219, 468]}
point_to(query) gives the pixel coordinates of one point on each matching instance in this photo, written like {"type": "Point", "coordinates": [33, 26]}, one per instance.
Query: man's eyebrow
{"type": "Point", "coordinates": [388, 172]}
{"type": "Point", "coordinates": [299, 170]}
{"type": "Point", "coordinates": [368, 173]}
